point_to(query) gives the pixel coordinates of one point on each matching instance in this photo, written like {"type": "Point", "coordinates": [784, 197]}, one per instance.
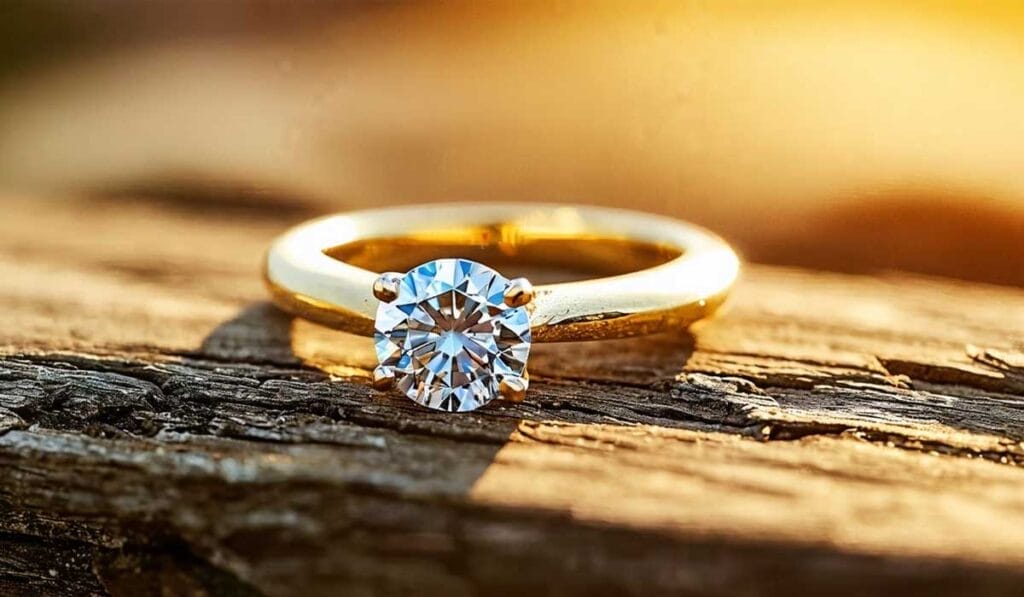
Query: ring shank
{"type": "Point", "coordinates": [697, 271]}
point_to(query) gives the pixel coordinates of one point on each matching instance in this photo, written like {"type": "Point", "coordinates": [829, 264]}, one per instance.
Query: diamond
{"type": "Point", "coordinates": [448, 338]}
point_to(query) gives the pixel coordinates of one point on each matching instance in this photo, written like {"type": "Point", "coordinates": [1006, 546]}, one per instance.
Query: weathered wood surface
{"type": "Point", "coordinates": [162, 427]}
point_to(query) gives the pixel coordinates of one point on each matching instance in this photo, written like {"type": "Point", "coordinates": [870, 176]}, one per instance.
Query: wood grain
{"type": "Point", "coordinates": [165, 429]}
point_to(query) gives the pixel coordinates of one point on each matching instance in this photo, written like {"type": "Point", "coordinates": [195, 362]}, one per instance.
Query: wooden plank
{"type": "Point", "coordinates": [828, 432]}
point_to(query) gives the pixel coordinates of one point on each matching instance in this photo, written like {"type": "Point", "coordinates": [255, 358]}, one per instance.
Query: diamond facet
{"type": "Point", "coordinates": [449, 337]}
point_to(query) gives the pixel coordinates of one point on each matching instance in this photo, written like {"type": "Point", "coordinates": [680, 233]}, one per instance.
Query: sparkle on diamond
{"type": "Point", "coordinates": [449, 337]}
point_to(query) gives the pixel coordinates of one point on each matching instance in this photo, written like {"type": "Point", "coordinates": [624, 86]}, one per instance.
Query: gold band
{"type": "Point", "coordinates": [317, 269]}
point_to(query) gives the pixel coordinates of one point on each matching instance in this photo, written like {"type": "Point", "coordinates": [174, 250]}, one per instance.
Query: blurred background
{"type": "Point", "coordinates": [853, 136]}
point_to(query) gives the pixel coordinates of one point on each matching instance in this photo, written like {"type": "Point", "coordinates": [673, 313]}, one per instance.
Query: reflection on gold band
{"type": "Point", "coordinates": [655, 273]}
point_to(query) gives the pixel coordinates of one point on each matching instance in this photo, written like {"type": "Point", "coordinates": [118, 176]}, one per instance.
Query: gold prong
{"type": "Point", "coordinates": [519, 292]}
{"type": "Point", "coordinates": [513, 388]}
{"type": "Point", "coordinates": [383, 379]}
{"type": "Point", "coordinates": [385, 287]}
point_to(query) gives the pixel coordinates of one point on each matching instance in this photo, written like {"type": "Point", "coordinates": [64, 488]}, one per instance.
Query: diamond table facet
{"type": "Point", "coordinates": [448, 338]}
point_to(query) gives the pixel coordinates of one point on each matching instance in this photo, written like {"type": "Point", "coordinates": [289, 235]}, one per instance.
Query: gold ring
{"type": "Point", "coordinates": [452, 333]}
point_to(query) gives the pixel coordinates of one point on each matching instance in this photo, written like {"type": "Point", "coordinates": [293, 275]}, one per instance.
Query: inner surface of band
{"type": "Point", "coordinates": [542, 259]}
{"type": "Point", "coordinates": [647, 273]}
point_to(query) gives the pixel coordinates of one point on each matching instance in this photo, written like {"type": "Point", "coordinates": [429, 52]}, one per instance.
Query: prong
{"type": "Point", "coordinates": [385, 287]}
{"type": "Point", "coordinates": [519, 292]}
{"type": "Point", "coordinates": [383, 379]}
{"type": "Point", "coordinates": [514, 388]}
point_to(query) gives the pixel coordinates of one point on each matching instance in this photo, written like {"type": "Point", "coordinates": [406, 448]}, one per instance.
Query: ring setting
{"type": "Point", "coordinates": [454, 334]}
